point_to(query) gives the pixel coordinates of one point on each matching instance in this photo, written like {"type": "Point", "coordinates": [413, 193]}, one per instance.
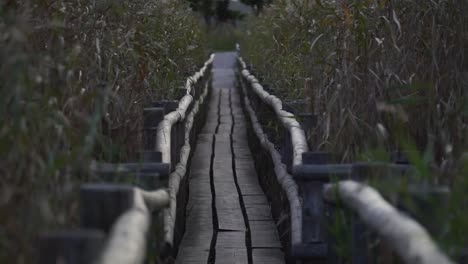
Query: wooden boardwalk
{"type": "Point", "coordinates": [228, 217]}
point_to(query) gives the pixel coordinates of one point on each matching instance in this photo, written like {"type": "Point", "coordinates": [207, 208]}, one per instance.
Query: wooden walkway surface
{"type": "Point", "coordinates": [228, 217]}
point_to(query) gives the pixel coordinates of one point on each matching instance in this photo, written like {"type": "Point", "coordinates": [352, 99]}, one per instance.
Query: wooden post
{"type": "Point", "coordinates": [102, 204]}
{"type": "Point", "coordinates": [151, 180]}
{"type": "Point", "coordinates": [286, 150]}
{"type": "Point", "coordinates": [150, 156]}
{"type": "Point", "coordinates": [70, 246]}
{"type": "Point", "coordinates": [151, 118]}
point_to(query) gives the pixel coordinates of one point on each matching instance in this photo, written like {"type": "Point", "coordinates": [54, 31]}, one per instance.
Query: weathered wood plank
{"type": "Point", "coordinates": [231, 255]}
{"type": "Point", "coordinates": [231, 239]}
{"type": "Point", "coordinates": [267, 238]}
{"type": "Point", "coordinates": [251, 189]}
{"type": "Point", "coordinates": [267, 255]}
{"type": "Point", "coordinates": [258, 212]}
{"type": "Point", "coordinates": [230, 219]}
{"type": "Point", "coordinates": [255, 200]}
{"type": "Point", "coordinates": [192, 255]}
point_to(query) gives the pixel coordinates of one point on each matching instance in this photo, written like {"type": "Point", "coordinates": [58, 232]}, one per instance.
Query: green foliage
{"type": "Point", "coordinates": [74, 76]}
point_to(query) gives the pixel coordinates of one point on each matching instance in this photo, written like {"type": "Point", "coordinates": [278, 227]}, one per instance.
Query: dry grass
{"type": "Point", "coordinates": [367, 58]}
{"type": "Point", "coordinates": [74, 76]}
{"type": "Point", "coordinates": [388, 75]}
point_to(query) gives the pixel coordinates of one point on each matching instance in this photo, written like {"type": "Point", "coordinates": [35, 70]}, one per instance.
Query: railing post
{"type": "Point", "coordinates": [174, 143]}
{"type": "Point", "coordinates": [152, 116]}
{"type": "Point", "coordinates": [70, 246]}
{"type": "Point", "coordinates": [102, 204]}
{"type": "Point", "coordinates": [170, 106]}
{"type": "Point", "coordinates": [150, 156]}
{"type": "Point", "coordinates": [314, 233]}
{"type": "Point", "coordinates": [286, 149]}
{"type": "Point", "coordinates": [307, 121]}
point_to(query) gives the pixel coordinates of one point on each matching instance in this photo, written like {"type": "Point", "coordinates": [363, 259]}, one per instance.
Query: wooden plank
{"type": "Point", "coordinates": [199, 224]}
{"type": "Point", "coordinates": [224, 188]}
{"type": "Point", "coordinates": [242, 155]}
{"type": "Point", "coordinates": [197, 239]}
{"type": "Point", "coordinates": [228, 203]}
{"type": "Point", "coordinates": [192, 255]}
{"type": "Point", "coordinates": [255, 200]}
{"type": "Point", "coordinates": [231, 239]}
{"type": "Point", "coordinates": [210, 126]}
{"type": "Point", "coordinates": [223, 173]}
{"type": "Point", "coordinates": [258, 212]}
{"type": "Point", "coordinates": [246, 163]}
{"type": "Point", "coordinates": [264, 234]}
{"type": "Point", "coordinates": [267, 255]}
{"type": "Point", "coordinates": [224, 129]}
{"type": "Point", "coordinates": [200, 164]}
{"type": "Point", "coordinates": [223, 149]}
{"type": "Point", "coordinates": [262, 225]}
{"type": "Point", "coordinates": [200, 178]}
{"type": "Point", "coordinates": [230, 219]}
{"type": "Point", "coordinates": [231, 256]}
{"type": "Point", "coordinates": [226, 121]}
{"type": "Point", "coordinates": [199, 217]}
{"type": "Point", "coordinates": [246, 179]}
{"type": "Point", "coordinates": [251, 189]}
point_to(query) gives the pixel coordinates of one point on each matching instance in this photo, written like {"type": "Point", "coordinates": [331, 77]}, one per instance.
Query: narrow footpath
{"type": "Point", "coordinates": [228, 217]}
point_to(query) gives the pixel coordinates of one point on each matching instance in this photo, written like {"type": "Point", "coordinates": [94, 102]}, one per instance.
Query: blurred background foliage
{"type": "Point", "coordinates": [74, 77]}
{"type": "Point", "coordinates": [387, 77]}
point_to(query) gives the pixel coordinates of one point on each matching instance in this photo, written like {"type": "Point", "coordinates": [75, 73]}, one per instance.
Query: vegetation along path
{"type": "Point", "coordinates": [228, 217]}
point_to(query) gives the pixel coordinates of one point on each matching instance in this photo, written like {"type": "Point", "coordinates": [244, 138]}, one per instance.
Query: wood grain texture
{"type": "Point", "coordinates": [267, 255]}
{"type": "Point", "coordinates": [235, 193]}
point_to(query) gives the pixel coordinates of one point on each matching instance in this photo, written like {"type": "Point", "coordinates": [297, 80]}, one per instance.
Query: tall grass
{"type": "Point", "coordinates": [387, 75]}
{"type": "Point", "coordinates": [222, 37]}
{"type": "Point", "coordinates": [74, 76]}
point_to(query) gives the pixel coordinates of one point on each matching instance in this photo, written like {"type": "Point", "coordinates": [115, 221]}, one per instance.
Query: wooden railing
{"type": "Point", "coordinates": [276, 164]}
{"type": "Point", "coordinates": [304, 187]}
{"type": "Point", "coordinates": [116, 219]}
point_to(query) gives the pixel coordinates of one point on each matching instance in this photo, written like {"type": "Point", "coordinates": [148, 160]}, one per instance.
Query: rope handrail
{"type": "Point", "coordinates": [163, 136]}
{"type": "Point", "coordinates": [179, 173]}
{"type": "Point", "coordinates": [284, 178]}
{"type": "Point", "coordinates": [127, 239]}
{"type": "Point", "coordinates": [403, 234]}
{"type": "Point", "coordinates": [116, 218]}
{"type": "Point", "coordinates": [163, 144]}
{"type": "Point", "coordinates": [298, 138]}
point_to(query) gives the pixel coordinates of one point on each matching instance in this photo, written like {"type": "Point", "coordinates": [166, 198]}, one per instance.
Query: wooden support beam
{"type": "Point", "coordinates": [102, 204]}
{"type": "Point", "coordinates": [70, 246]}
